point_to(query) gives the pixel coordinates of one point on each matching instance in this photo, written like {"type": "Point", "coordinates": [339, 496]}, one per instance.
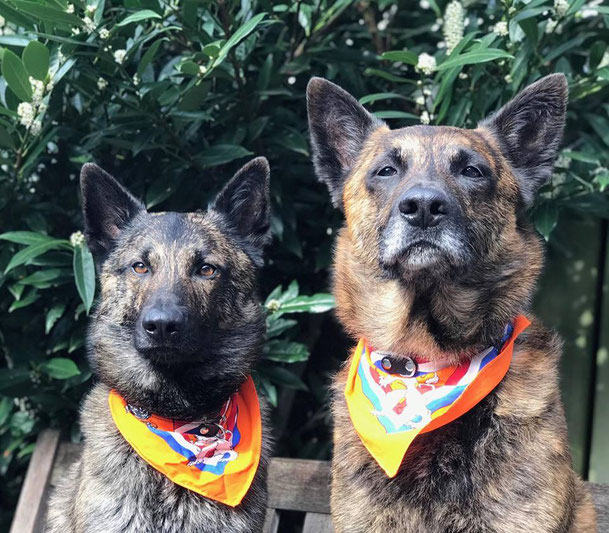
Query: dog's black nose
{"type": "Point", "coordinates": [163, 323]}
{"type": "Point", "coordinates": [424, 207]}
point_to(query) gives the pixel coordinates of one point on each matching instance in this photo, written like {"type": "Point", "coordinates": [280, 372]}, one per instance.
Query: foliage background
{"type": "Point", "coordinates": [172, 97]}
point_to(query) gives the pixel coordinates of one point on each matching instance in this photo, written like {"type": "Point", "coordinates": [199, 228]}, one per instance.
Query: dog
{"type": "Point", "coordinates": [433, 265]}
{"type": "Point", "coordinates": [173, 339]}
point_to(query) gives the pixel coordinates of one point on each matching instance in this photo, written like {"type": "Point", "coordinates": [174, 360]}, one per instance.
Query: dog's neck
{"type": "Point", "coordinates": [179, 399]}
{"type": "Point", "coordinates": [435, 318]}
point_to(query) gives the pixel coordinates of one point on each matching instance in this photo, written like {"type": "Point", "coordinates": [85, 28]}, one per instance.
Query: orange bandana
{"type": "Point", "coordinates": [389, 410]}
{"type": "Point", "coordinates": [216, 459]}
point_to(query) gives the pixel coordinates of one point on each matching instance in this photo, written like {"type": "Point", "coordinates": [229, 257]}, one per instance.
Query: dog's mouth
{"type": "Point", "coordinates": [166, 354]}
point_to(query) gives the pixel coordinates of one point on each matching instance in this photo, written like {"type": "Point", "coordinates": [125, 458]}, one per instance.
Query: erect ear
{"type": "Point", "coordinates": [245, 204]}
{"type": "Point", "coordinates": [338, 125]}
{"type": "Point", "coordinates": [107, 208]}
{"type": "Point", "coordinates": [529, 129]}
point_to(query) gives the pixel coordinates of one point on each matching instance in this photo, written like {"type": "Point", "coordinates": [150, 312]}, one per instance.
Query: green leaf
{"type": "Point", "coordinates": [144, 14]}
{"type": "Point", "coordinates": [29, 299]}
{"type": "Point", "coordinates": [148, 56]}
{"type": "Point", "coordinates": [36, 59]}
{"type": "Point", "coordinates": [6, 406]}
{"type": "Point", "coordinates": [282, 376]}
{"type": "Point", "coordinates": [41, 278]}
{"type": "Point", "coordinates": [6, 139]}
{"type": "Point", "coordinates": [26, 237]}
{"type": "Point", "coordinates": [277, 326]}
{"type": "Point", "coordinates": [266, 388]}
{"type": "Point", "coordinates": [212, 50]}
{"type": "Point", "coordinates": [189, 67]}
{"type": "Point", "coordinates": [16, 76]}
{"type": "Point", "coordinates": [286, 352]}
{"type": "Point", "coordinates": [477, 56]}
{"type": "Point", "coordinates": [546, 218]}
{"type": "Point", "coordinates": [61, 368]}
{"type": "Point", "coordinates": [32, 251]}
{"type": "Point", "coordinates": [395, 114]}
{"type": "Point", "coordinates": [47, 13]}
{"type": "Point", "coordinates": [84, 275]}
{"type": "Point", "coordinates": [221, 154]}
{"type": "Point", "coordinates": [403, 56]}
{"type": "Point", "coordinates": [53, 315]}
{"type": "Point", "coordinates": [371, 98]}
{"type": "Point", "coordinates": [318, 303]}
{"type": "Point", "coordinates": [236, 37]}
{"type": "Point", "coordinates": [9, 377]}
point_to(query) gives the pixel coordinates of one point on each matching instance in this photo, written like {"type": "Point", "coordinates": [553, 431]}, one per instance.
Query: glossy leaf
{"type": "Point", "coordinates": [36, 57]}
{"type": "Point", "coordinates": [84, 275]}
{"type": "Point", "coordinates": [144, 14]}
{"type": "Point", "coordinates": [16, 76]}
{"type": "Point", "coordinates": [61, 368]}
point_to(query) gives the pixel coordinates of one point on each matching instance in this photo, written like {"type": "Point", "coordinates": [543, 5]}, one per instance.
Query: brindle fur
{"type": "Point", "coordinates": [505, 466]}
{"type": "Point", "coordinates": [111, 489]}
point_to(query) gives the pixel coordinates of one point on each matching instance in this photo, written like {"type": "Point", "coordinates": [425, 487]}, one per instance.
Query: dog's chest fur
{"type": "Point", "coordinates": [503, 467]}
{"type": "Point", "coordinates": [112, 489]}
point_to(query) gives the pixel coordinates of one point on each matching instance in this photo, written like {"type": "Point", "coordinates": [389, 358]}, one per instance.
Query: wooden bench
{"type": "Point", "coordinates": [294, 485]}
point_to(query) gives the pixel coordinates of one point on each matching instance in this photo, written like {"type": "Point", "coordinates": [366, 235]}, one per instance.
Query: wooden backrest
{"type": "Point", "coordinates": [294, 485]}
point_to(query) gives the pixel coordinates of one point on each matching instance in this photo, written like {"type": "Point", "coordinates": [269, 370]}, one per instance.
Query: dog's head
{"type": "Point", "coordinates": [179, 323]}
{"type": "Point", "coordinates": [427, 205]}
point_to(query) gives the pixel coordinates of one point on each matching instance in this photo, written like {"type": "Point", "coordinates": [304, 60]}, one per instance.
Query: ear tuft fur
{"type": "Point", "coordinates": [245, 204]}
{"type": "Point", "coordinates": [107, 208]}
{"type": "Point", "coordinates": [529, 129]}
{"type": "Point", "coordinates": [338, 125]}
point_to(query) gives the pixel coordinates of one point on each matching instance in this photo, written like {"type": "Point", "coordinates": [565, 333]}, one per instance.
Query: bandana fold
{"type": "Point", "coordinates": [389, 410]}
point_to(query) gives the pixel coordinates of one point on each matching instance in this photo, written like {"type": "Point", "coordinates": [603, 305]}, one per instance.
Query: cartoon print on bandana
{"type": "Point", "coordinates": [206, 446]}
{"type": "Point", "coordinates": [402, 403]}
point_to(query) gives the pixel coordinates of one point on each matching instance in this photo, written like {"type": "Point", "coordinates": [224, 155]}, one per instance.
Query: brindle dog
{"type": "Point", "coordinates": [177, 329]}
{"type": "Point", "coordinates": [435, 258]}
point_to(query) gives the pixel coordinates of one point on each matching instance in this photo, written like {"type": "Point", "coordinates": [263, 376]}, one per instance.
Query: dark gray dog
{"type": "Point", "coordinates": [178, 328]}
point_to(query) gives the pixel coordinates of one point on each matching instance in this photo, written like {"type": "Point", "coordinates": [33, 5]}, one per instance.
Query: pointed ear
{"type": "Point", "coordinates": [245, 204]}
{"type": "Point", "coordinates": [107, 208]}
{"type": "Point", "coordinates": [338, 125]}
{"type": "Point", "coordinates": [529, 129]}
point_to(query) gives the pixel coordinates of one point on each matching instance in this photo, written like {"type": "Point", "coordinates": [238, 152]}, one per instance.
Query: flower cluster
{"type": "Point", "coordinates": [454, 24]}
{"type": "Point", "coordinates": [561, 7]}
{"type": "Point", "coordinates": [30, 114]}
{"type": "Point", "coordinates": [102, 83]}
{"type": "Point", "coordinates": [501, 28]}
{"type": "Point", "coordinates": [119, 56]}
{"type": "Point", "coordinates": [426, 64]}
{"type": "Point", "coordinates": [77, 239]}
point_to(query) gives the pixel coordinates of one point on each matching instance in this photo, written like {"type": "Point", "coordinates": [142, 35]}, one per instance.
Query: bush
{"type": "Point", "coordinates": [173, 96]}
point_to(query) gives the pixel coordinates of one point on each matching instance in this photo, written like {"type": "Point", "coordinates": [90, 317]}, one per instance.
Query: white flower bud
{"type": "Point", "coordinates": [454, 17]}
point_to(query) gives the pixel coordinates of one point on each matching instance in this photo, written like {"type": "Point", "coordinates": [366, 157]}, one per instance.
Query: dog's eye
{"type": "Point", "coordinates": [471, 172]}
{"type": "Point", "coordinates": [207, 271]}
{"type": "Point", "coordinates": [387, 171]}
{"type": "Point", "coordinates": [139, 268]}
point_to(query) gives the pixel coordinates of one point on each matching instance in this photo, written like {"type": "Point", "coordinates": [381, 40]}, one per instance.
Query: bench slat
{"type": "Point", "coordinates": [317, 523]}
{"type": "Point", "coordinates": [299, 485]}
{"type": "Point", "coordinates": [271, 521]}
{"type": "Point", "coordinates": [31, 508]}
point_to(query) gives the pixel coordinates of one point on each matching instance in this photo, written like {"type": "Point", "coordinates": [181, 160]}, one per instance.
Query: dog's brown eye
{"type": "Point", "coordinates": [386, 171]}
{"type": "Point", "coordinates": [207, 271]}
{"type": "Point", "coordinates": [471, 172]}
{"type": "Point", "coordinates": [139, 268]}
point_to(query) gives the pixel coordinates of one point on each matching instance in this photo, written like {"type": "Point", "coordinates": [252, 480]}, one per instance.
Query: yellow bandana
{"type": "Point", "coordinates": [389, 410]}
{"type": "Point", "coordinates": [216, 459]}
